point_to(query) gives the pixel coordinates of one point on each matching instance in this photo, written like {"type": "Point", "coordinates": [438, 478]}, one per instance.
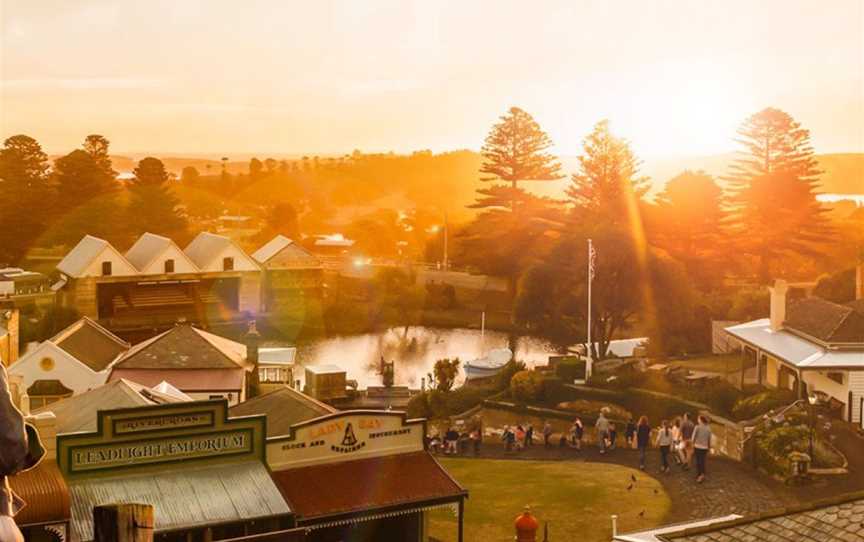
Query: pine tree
{"type": "Point", "coordinates": [153, 207]}
{"type": "Point", "coordinates": [97, 147]}
{"type": "Point", "coordinates": [607, 186]}
{"type": "Point", "coordinates": [514, 151]}
{"type": "Point", "coordinates": [25, 196]}
{"type": "Point", "coordinates": [689, 222]}
{"type": "Point", "coordinates": [774, 206]}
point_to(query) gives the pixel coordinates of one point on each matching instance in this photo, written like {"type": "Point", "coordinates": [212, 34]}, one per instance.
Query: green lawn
{"type": "Point", "coordinates": [714, 364]}
{"type": "Point", "coordinates": [575, 498]}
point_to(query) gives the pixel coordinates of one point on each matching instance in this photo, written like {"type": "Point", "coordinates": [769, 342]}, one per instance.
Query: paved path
{"type": "Point", "coordinates": [730, 488]}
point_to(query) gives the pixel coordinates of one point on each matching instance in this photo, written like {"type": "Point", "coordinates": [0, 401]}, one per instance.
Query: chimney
{"type": "Point", "coordinates": [251, 340]}
{"type": "Point", "coordinates": [46, 425]}
{"type": "Point", "coordinates": [10, 319]}
{"type": "Point", "coordinates": [778, 304]}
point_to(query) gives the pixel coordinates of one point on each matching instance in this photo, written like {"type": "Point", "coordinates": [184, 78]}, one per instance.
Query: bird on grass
{"type": "Point", "coordinates": [642, 514]}
{"type": "Point", "coordinates": [633, 478]}
{"type": "Point", "coordinates": [629, 487]}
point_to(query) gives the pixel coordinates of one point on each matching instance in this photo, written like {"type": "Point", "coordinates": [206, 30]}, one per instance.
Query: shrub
{"type": "Point", "coordinates": [761, 403]}
{"type": "Point", "coordinates": [570, 369]}
{"type": "Point", "coordinates": [527, 386]}
{"type": "Point", "coordinates": [443, 404]}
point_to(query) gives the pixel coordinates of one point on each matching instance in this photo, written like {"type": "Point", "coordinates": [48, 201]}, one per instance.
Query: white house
{"type": "Point", "coordinates": [156, 255]}
{"type": "Point", "coordinates": [94, 257]}
{"type": "Point", "coordinates": [212, 252]}
{"type": "Point", "coordinates": [810, 345]}
{"type": "Point", "coordinates": [75, 360]}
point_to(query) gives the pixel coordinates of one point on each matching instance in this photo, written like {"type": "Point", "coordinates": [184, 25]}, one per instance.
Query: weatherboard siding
{"type": "Point", "coordinates": [856, 386]}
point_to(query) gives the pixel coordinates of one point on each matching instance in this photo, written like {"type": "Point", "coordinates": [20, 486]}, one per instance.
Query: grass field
{"type": "Point", "coordinates": [713, 364]}
{"type": "Point", "coordinates": [576, 499]}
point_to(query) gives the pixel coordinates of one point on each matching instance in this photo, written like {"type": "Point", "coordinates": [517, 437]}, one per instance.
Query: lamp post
{"type": "Point", "coordinates": [811, 398]}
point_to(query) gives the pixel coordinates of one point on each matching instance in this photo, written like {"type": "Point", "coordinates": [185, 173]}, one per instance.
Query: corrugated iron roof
{"type": "Point", "coordinates": [365, 485]}
{"type": "Point", "coordinates": [45, 492]}
{"type": "Point", "coordinates": [183, 498]}
{"type": "Point", "coordinates": [283, 408]}
{"type": "Point", "coordinates": [185, 380]}
{"type": "Point", "coordinates": [184, 347]}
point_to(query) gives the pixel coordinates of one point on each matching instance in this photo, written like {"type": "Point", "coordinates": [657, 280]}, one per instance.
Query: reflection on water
{"type": "Point", "coordinates": [414, 351]}
{"type": "Point", "coordinates": [857, 199]}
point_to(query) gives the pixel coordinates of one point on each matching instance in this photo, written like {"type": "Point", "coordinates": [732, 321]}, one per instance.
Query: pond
{"type": "Point", "coordinates": [414, 351]}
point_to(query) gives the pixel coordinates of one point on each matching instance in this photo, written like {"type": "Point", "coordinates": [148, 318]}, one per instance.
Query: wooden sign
{"type": "Point", "coordinates": [141, 437]}
{"type": "Point", "coordinates": [344, 436]}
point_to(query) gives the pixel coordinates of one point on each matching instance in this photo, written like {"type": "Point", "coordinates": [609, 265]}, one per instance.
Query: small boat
{"type": "Point", "coordinates": [488, 365]}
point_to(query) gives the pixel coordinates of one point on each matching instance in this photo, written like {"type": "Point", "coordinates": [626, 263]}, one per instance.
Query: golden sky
{"type": "Point", "coordinates": [208, 76]}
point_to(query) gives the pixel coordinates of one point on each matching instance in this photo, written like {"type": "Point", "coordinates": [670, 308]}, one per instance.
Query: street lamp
{"type": "Point", "coordinates": [812, 399]}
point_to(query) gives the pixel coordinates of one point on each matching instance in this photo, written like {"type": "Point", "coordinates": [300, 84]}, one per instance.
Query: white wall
{"type": "Point", "coordinates": [181, 262]}
{"type": "Point", "coordinates": [856, 384]}
{"type": "Point", "coordinates": [819, 381]}
{"type": "Point", "coordinates": [119, 266]}
{"type": "Point", "coordinates": [69, 371]}
{"type": "Point", "coordinates": [242, 262]}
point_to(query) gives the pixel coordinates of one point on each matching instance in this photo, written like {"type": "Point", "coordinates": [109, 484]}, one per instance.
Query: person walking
{"type": "Point", "coordinates": [520, 437]}
{"type": "Point", "coordinates": [701, 446]}
{"type": "Point", "coordinates": [547, 433]}
{"type": "Point", "coordinates": [687, 429]}
{"type": "Point", "coordinates": [643, 438]}
{"type": "Point", "coordinates": [676, 442]}
{"type": "Point", "coordinates": [475, 440]}
{"type": "Point", "coordinates": [508, 437]}
{"type": "Point", "coordinates": [664, 442]}
{"type": "Point", "coordinates": [529, 436]}
{"type": "Point", "coordinates": [602, 429]}
{"type": "Point", "coordinates": [630, 433]}
{"type": "Point", "coordinates": [577, 431]}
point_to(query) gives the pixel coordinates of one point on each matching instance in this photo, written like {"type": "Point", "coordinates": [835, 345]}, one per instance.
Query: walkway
{"type": "Point", "coordinates": [730, 488]}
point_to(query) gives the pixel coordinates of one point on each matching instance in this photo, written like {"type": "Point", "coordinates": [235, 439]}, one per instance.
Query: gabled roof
{"type": "Point", "coordinates": [78, 413]}
{"type": "Point", "coordinates": [826, 321]}
{"type": "Point", "coordinates": [90, 343]}
{"type": "Point", "coordinates": [184, 347]}
{"type": "Point", "coordinates": [283, 407]}
{"type": "Point", "coordinates": [79, 258]}
{"type": "Point", "coordinates": [281, 252]}
{"type": "Point", "coordinates": [206, 246]}
{"type": "Point", "coordinates": [148, 247]}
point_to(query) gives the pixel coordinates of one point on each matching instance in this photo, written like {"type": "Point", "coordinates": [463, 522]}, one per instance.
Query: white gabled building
{"type": "Point", "coordinates": [94, 257]}
{"type": "Point", "coordinates": [809, 345]}
{"type": "Point", "coordinates": [212, 252]}
{"type": "Point", "coordinates": [155, 255]}
{"type": "Point", "coordinates": [74, 361]}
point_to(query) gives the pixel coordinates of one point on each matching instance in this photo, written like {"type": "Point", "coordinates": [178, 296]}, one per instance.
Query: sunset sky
{"type": "Point", "coordinates": [205, 76]}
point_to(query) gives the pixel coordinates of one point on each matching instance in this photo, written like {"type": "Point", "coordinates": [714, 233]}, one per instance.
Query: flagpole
{"type": "Point", "coordinates": [589, 365]}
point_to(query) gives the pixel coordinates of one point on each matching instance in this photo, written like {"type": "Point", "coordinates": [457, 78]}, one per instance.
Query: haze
{"type": "Point", "coordinates": [209, 77]}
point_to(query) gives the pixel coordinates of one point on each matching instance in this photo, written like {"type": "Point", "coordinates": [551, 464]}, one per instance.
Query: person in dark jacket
{"type": "Point", "coordinates": [630, 433]}
{"type": "Point", "coordinates": [20, 449]}
{"type": "Point", "coordinates": [643, 438]}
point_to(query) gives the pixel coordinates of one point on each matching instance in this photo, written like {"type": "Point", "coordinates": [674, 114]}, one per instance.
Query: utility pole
{"type": "Point", "coordinates": [446, 262]}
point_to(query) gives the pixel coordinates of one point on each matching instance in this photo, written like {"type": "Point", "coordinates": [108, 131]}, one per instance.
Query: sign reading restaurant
{"type": "Point", "coordinates": [142, 437]}
{"type": "Point", "coordinates": [342, 436]}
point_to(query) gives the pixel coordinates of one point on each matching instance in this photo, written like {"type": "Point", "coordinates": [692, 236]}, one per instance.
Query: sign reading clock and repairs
{"type": "Point", "coordinates": [133, 438]}
{"type": "Point", "coordinates": [352, 434]}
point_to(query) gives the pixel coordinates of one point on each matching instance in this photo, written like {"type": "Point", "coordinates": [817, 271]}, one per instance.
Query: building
{"type": "Point", "coordinates": [203, 473]}
{"type": "Point", "coordinates": [74, 361]}
{"type": "Point", "coordinates": [26, 289]}
{"type": "Point", "coordinates": [809, 346]}
{"type": "Point", "coordinates": [284, 408]}
{"type": "Point", "coordinates": [292, 275]}
{"type": "Point", "coordinates": [326, 382]}
{"type": "Point", "coordinates": [10, 326]}
{"type": "Point", "coordinates": [155, 284]}
{"type": "Point", "coordinates": [199, 364]}
{"type": "Point", "coordinates": [837, 519]}
{"type": "Point", "coordinates": [327, 467]}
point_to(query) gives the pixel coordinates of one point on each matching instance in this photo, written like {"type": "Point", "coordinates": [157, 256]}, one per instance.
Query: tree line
{"type": "Point", "coordinates": [663, 262]}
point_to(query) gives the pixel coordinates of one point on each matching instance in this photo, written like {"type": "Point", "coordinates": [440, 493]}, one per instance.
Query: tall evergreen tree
{"type": "Point", "coordinates": [689, 222]}
{"type": "Point", "coordinates": [775, 181]}
{"type": "Point", "coordinates": [97, 147]}
{"type": "Point", "coordinates": [514, 151]}
{"type": "Point", "coordinates": [25, 196]}
{"type": "Point", "coordinates": [153, 207]}
{"type": "Point", "coordinates": [86, 202]}
{"type": "Point", "coordinates": [607, 186]}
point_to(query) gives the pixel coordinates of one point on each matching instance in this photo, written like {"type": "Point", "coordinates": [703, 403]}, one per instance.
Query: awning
{"type": "Point", "coordinates": [374, 487]}
{"type": "Point", "coordinates": [183, 497]}
{"type": "Point", "coordinates": [45, 492]}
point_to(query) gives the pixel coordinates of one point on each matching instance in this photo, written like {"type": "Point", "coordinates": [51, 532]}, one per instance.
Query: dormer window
{"type": "Point", "coordinates": [228, 264]}
{"type": "Point", "coordinates": [169, 266]}
{"type": "Point", "coordinates": [106, 269]}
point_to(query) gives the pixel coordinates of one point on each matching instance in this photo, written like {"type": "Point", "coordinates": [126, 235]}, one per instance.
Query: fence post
{"type": "Point", "coordinates": [130, 522]}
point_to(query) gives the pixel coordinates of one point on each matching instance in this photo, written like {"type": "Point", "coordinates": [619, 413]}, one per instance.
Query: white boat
{"type": "Point", "coordinates": [488, 365]}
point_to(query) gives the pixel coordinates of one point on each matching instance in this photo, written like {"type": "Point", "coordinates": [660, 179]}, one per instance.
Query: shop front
{"type": "Point", "coordinates": [203, 473]}
{"type": "Point", "coordinates": [362, 476]}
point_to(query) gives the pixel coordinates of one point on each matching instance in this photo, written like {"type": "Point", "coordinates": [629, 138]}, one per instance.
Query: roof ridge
{"type": "Point", "coordinates": [138, 347]}
{"type": "Point", "coordinates": [201, 333]}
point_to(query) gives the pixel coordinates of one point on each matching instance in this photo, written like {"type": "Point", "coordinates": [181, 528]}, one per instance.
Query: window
{"type": "Point", "coordinates": [106, 269]}
{"type": "Point", "coordinates": [228, 264]}
{"type": "Point", "coordinates": [169, 266]}
{"type": "Point", "coordinates": [836, 376]}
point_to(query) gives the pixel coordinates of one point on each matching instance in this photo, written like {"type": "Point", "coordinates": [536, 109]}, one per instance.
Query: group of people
{"type": "Point", "coordinates": [518, 438]}
{"type": "Point", "coordinates": [679, 441]}
{"type": "Point", "coordinates": [455, 442]}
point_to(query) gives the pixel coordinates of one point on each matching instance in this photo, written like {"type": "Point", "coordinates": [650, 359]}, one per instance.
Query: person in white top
{"type": "Point", "coordinates": [664, 442]}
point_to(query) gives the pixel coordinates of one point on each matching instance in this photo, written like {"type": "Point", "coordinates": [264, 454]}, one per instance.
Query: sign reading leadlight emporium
{"type": "Point", "coordinates": [141, 437]}
{"type": "Point", "coordinates": [342, 436]}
